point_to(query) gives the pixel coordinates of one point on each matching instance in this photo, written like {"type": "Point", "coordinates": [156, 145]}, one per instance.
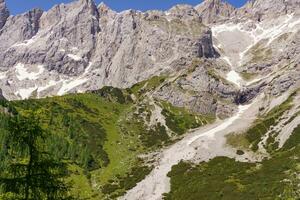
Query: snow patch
{"type": "Point", "coordinates": [74, 49]}
{"type": "Point", "coordinates": [23, 74]}
{"type": "Point", "coordinates": [234, 77]}
{"type": "Point", "coordinates": [227, 60]}
{"type": "Point", "coordinates": [26, 92]}
{"type": "Point", "coordinates": [74, 57]}
{"type": "Point", "coordinates": [51, 83]}
{"type": "Point", "coordinates": [73, 83]}
{"type": "Point", "coordinates": [293, 24]}
{"type": "Point", "coordinates": [225, 27]}
{"type": "Point", "coordinates": [69, 85]}
{"type": "Point", "coordinates": [253, 81]}
{"type": "Point", "coordinates": [25, 43]}
{"type": "Point", "coordinates": [87, 70]}
{"type": "Point", "coordinates": [3, 75]}
{"type": "Point", "coordinates": [263, 30]}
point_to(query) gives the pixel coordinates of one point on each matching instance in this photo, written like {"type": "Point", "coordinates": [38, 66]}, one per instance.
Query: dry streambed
{"type": "Point", "coordinates": [199, 145]}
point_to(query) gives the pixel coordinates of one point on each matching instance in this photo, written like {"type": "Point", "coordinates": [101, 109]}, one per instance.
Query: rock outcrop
{"type": "Point", "coordinates": [262, 9]}
{"type": "Point", "coordinates": [79, 46]}
{"type": "Point", "coordinates": [83, 47]}
{"type": "Point", "coordinates": [212, 11]}
{"type": "Point", "coordinates": [216, 11]}
{"type": "Point", "coordinates": [1, 95]}
{"type": "Point", "coordinates": [4, 13]}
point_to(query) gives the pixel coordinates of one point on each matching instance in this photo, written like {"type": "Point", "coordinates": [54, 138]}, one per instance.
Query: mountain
{"type": "Point", "coordinates": [215, 10]}
{"type": "Point", "coordinates": [4, 13]}
{"type": "Point", "coordinates": [78, 47]}
{"type": "Point", "coordinates": [145, 104]}
{"type": "Point", "coordinates": [266, 9]}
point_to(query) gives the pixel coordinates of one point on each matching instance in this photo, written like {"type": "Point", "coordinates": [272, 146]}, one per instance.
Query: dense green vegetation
{"type": "Point", "coordinates": [146, 86]}
{"type": "Point", "coordinates": [84, 131]}
{"type": "Point", "coordinates": [152, 137]}
{"type": "Point", "coordinates": [99, 135]}
{"type": "Point", "coordinates": [117, 187]}
{"type": "Point", "coordinates": [114, 95]}
{"type": "Point", "coordinates": [179, 120]}
{"type": "Point", "coordinates": [276, 177]}
{"type": "Point", "coordinates": [76, 132]}
{"type": "Point", "coordinates": [77, 127]}
{"type": "Point", "coordinates": [28, 170]}
{"type": "Point", "coordinates": [225, 178]}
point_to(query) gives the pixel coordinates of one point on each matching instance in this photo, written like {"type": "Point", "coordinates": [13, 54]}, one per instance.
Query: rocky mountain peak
{"type": "Point", "coordinates": [103, 6]}
{"type": "Point", "coordinates": [104, 9]}
{"type": "Point", "coordinates": [261, 9]}
{"type": "Point", "coordinates": [213, 3]}
{"type": "Point", "coordinates": [212, 11]}
{"type": "Point", "coordinates": [90, 5]}
{"type": "Point", "coordinates": [34, 16]}
{"type": "Point", "coordinates": [85, 46]}
{"type": "Point", "coordinates": [4, 13]}
{"type": "Point", "coordinates": [184, 11]}
{"type": "Point", "coordinates": [87, 2]}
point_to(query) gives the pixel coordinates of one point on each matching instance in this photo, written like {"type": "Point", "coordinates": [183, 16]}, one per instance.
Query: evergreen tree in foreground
{"type": "Point", "coordinates": [28, 172]}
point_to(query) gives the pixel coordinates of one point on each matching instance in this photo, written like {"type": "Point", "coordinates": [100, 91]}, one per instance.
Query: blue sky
{"type": "Point", "coordinates": [20, 6]}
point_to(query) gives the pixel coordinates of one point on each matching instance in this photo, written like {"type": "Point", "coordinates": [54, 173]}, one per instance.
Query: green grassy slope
{"type": "Point", "coordinates": [100, 135]}
{"type": "Point", "coordinates": [179, 120]}
{"type": "Point", "coordinates": [224, 178]}
{"type": "Point", "coordinates": [84, 131]}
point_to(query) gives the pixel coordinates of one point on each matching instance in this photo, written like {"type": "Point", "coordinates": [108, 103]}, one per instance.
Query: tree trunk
{"type": "Point", "coordinates": [28, 175]}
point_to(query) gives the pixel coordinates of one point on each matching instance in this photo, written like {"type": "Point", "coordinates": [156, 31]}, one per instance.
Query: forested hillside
{"type": "Point", "coordinates": [100, 135]}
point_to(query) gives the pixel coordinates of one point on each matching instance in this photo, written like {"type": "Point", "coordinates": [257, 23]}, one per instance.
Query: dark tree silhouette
{"type": "Point", "coordinates": [30, 172]}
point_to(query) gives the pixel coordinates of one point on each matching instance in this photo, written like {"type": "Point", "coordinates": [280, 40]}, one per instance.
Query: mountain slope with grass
{"type": "Point", "coordinates": [190, 103]}
{"type": "Point", "coordinates": [276, 176]}
{"type": "Point", "coordinates": [102, 135]}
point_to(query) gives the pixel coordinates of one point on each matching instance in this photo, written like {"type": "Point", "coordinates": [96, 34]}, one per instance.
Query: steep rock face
{"type": "Point", "coordinates": [4, 13]}
{"type": "Point", "coordinates": [79, 47]}
{"type": "Point", "coordinates": [135, 45]}
{"type": "Point", "coordinates": [261, 9]}
{"type": "Point", "coordinates": [1, 95]}
{"type": "Point", "coordinates": [184, 11]}
{"type": "Point", "coordinates": [262, 43]}
{"type": "Point", "coordinates": [19, 28]}
{"type": "Point", "coordinates": [212, 11]}
{"type": "Point", "coordinates": [49, 37]}
{"type": "Point", "coordinates": [202, 90]}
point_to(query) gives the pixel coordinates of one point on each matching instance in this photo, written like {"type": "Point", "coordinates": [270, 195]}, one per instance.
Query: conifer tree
{"type": "Point", "coordinates": [29, 172]}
